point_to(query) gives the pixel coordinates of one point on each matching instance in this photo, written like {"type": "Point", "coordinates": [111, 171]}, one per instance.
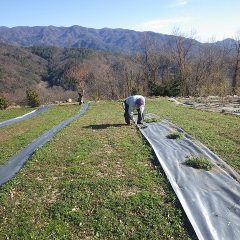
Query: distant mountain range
{"type": "Point", "coordinates": [30, 55]}
{"type": "Point", "coordinates": [81, 37]}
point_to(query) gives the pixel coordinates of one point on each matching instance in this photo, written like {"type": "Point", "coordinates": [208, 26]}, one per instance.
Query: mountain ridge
{"type": "Point", "coordinates": [106, 39]}
{"type": "Point", "coordinates": [47, 56]}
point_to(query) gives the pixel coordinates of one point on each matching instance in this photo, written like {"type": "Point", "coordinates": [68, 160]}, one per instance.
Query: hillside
{"type": "Point", "coordinates": [19, 68]}
{"type": "Point", "coordinates": [95, 179]}
{"type": "Point", "coordinates": [104, 78]}
{"type": "Point", "coordinates": [59, 61]}
{"type": "Point", "coordinates": [36, 67]}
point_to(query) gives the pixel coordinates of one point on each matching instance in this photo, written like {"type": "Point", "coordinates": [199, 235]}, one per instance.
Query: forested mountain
{"type": "Point", "coordinates": [60, 61]}
{"type": "Point", "coordinates": [114, 63]}
{"type": "Point", "coordinates": [80, 37]}
{"type": "Point", "coordinates": [20, 68]}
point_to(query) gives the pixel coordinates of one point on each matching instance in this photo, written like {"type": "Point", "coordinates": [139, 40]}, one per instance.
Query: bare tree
{"type": "Point", "coordinates": [236, 63]}
{"type": "Point", "coordinates": [210, 70]}
{"type": "Point", "coordinates": [149, 59]}
{"type": "Point", "coordinates": [180, 50]}
{"type": "Point", "coordinates": [103, 77]}
{"type": "Point", "coordinates": [132, 76]}
{"type": "Point", "coordinates": [79, 74]}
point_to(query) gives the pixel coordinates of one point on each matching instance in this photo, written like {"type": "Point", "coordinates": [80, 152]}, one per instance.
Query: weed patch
{"type": "Point", "coordinates": [198, 162]}
{"type": "Point", "coordinates": [151, 120]}
{"type": "Point", "coordinates": [175, 135]}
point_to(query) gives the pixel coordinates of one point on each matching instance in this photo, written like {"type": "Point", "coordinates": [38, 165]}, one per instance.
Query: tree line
{"type": "Point", "coordinates": [180, 67]}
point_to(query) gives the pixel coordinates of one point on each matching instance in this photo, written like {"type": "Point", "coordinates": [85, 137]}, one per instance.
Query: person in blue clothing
{"type": "Point", "coordinates": [131, 103]}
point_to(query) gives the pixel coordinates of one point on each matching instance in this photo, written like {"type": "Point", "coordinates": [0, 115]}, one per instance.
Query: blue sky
{"type": "Point", "coordinates": [210, 19]}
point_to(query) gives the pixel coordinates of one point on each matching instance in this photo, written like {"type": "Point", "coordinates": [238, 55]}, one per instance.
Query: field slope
{"type": "Point", "coordinates": [16, 136]}
{"type": "Point", "coordinates": [219, 132]}
{"type": "Point", "coordinates": [14, 112]}
{"type": "Point", "coordinates": [97, 179]}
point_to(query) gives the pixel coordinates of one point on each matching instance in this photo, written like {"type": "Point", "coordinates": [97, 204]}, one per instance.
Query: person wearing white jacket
{"type": "Point", "coordinates": [135, 102]}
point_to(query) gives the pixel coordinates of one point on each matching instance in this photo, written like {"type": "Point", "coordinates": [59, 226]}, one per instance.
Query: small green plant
{"type": "Point", "coordinates": [151, 120]}
{"type": "Point", "coordinates": [3, 103]}
{"type": "Point", "coordinates": [32, 98]}
{"type": "Point", "coordinates": [199, 162]}
{"type": "Point", "coordinates": [175, 135]}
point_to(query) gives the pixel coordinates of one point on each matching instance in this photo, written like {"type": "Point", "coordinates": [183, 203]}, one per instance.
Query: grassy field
{"type": "Point", "coordinates": [14, 112]}
{"type": "Point", "coordinates": [15, 137]}
{"type": "Point", "coordinates": [97, 179]}
{"type": "Point", "coordinates": [219, 132]}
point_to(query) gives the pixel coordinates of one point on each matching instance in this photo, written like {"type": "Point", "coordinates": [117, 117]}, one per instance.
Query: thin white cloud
{"type": "Point", "coordinates": [178, 3]}
{"type": "Point", "coordinates": [181, 2]}
{"type": "Point", "coordinates": [160, 25]}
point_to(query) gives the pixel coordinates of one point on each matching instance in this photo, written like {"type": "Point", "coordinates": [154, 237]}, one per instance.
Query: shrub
{"type": "Point", "coordinates": [32, 98]}
{"type": "Point", "coordinates": [3, 103]}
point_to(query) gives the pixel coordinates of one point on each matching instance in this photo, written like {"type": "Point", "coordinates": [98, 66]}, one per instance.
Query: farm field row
{"type": "Point", "coordinates": [218, 131]}
{"type": "Point", "coordinates": [17, 136]}
{"type": "Point", "coordinates": [14, 112]}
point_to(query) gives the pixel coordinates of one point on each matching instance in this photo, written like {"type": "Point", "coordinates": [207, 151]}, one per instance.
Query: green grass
{"type": "Point", "coordinates": [199, 162]}
{"type": "Point", "coordinates": [175, 135]}
{"type": "Point", "coordinates": [95, 180]}
{"type": "Point", "coordinates": [217, 131]}
{"type": "Point", "coordinates": [14, 112]}
{"type": "Point", "coordinates": [17, 136]}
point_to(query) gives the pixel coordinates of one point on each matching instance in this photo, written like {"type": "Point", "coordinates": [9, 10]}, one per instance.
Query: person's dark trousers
{"type": "Point", "coordinates": [126, 115]}
{"type": "Point", "coordinates": [140, 117]}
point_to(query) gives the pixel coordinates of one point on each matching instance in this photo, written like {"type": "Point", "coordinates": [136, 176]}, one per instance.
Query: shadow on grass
{"type": "Point", "coordinates": [104, 126]}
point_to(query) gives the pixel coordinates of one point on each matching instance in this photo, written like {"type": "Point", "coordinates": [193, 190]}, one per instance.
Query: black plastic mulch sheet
{"type": "Point", "coordinates": [211, 199]}
{"type": "Point", "coordinates": [25, 116]}
{"type": "Point", "coordinates": [15, 163]}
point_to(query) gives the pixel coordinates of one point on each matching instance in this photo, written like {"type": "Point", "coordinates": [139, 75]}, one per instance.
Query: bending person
{"type": "Point", "coordinates": [136, 102]}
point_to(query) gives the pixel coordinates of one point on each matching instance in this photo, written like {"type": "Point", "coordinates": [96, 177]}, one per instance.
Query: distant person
{"type": "Point", "coordinates": [135, 102]}
{"type": "Point", "coordinates": [80, 98]}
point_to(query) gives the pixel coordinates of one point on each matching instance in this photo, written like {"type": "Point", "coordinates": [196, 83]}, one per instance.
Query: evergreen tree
{"type": "Point", "coordinates": [3, 103]}
{"type": "Point", "coordinates": [32, 98]}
